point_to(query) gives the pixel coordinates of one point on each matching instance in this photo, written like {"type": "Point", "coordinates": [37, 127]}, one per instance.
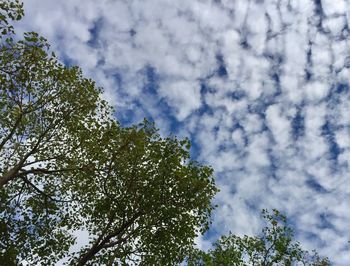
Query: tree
{"type": "Point", "coordinates": [275, 246]}
{"type": "Point", "coordinates": [146, 201]}
{"type": "Point", "coordinates": [36, 99]}
{"type": "Point", "coordinates": [66, 164]}
{"type": "Point", "coordinates": [43, 105]}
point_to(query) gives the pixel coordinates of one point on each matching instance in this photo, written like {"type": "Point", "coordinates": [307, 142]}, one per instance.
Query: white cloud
{"type": "Point", "coordinates": [331, 7]}
{"type": "Point", "coordinates": [183, 96]}
{"type": "Point", "coordinates": [316, 91]}
{"type": "Point", "coordinates": [343, 138]}
{"type": "Point", "coordinates": [279, 125]}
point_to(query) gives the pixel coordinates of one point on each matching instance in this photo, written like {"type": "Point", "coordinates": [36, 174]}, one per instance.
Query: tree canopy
{"type": "Point", "coordinates": [275, 246]}
{"type": "Point", "coordinates": [145, 204]}
{"type": "Point", "coordinates": [67, 166]}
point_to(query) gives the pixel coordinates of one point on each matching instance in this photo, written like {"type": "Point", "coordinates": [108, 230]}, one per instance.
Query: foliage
{"type": "Point", "coordinates": [42, 104]}
{"type": "Point", "coordinates": [146, 201]}
{"type": "Point", "coordinates": [274, 247]}
{"type": "Point", "coordinates": [9, 10]}
{"type": "Point", "coordinates": [66, 164]}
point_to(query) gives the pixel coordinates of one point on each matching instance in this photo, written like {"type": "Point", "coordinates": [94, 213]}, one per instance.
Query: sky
{"type": "Point", "coordinates": [261, 87]}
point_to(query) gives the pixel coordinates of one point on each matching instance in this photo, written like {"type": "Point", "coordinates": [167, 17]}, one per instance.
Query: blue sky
{"type": "Point", "coordinates": [260, 87]}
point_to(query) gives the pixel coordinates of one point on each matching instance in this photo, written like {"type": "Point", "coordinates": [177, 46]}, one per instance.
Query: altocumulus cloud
{"type": "Point", "coordinates": [262, 88]}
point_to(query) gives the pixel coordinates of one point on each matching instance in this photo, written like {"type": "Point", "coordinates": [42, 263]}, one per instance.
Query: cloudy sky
{"type": "Point", "coordinates": [261, 87]}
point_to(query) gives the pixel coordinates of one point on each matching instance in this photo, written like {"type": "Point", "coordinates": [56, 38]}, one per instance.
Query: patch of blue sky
{"type": "Point", "coordinates": [298, 124]}
{"type": "Point", "coordinates": [221, 72]}
{"type": "Point", "coordinates": [146, 105]}
{"type": "Point", "coordinates": [314, 185]}
{"type": "Point", "coordinates": [328, 132]}
{"type": "Point", "coordinates": [95, 40]}
{"type": "Point", "coordinates": [325, 221]}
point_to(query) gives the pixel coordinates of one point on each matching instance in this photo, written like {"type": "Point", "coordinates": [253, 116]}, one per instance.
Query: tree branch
{"type": "Point", "coordinates": [13, 173]}
{"type": "Point", "coordinates": [46, 171]}
{"type": "Point", "coordinates": [39, 191]}
{"type": "Point", "coordinates": [12, 132]}
{"type": "Point", "coordinates": [97, 247]}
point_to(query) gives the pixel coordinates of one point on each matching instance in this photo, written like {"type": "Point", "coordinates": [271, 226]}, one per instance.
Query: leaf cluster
{"type": "Point", "coordinates": [275, 246]}
{"type": "Point", "coordinates": [9, 10]}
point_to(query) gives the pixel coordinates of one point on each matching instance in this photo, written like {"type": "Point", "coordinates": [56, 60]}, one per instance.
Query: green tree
{"type": "Point", "coordinates": [66, 164]}
{"type": "Point", "coordinates": [42, 107]}
{"type": "Point", "coordinates": [275, 246]}
{"type": "Point", "coordinates": [145, 201]}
